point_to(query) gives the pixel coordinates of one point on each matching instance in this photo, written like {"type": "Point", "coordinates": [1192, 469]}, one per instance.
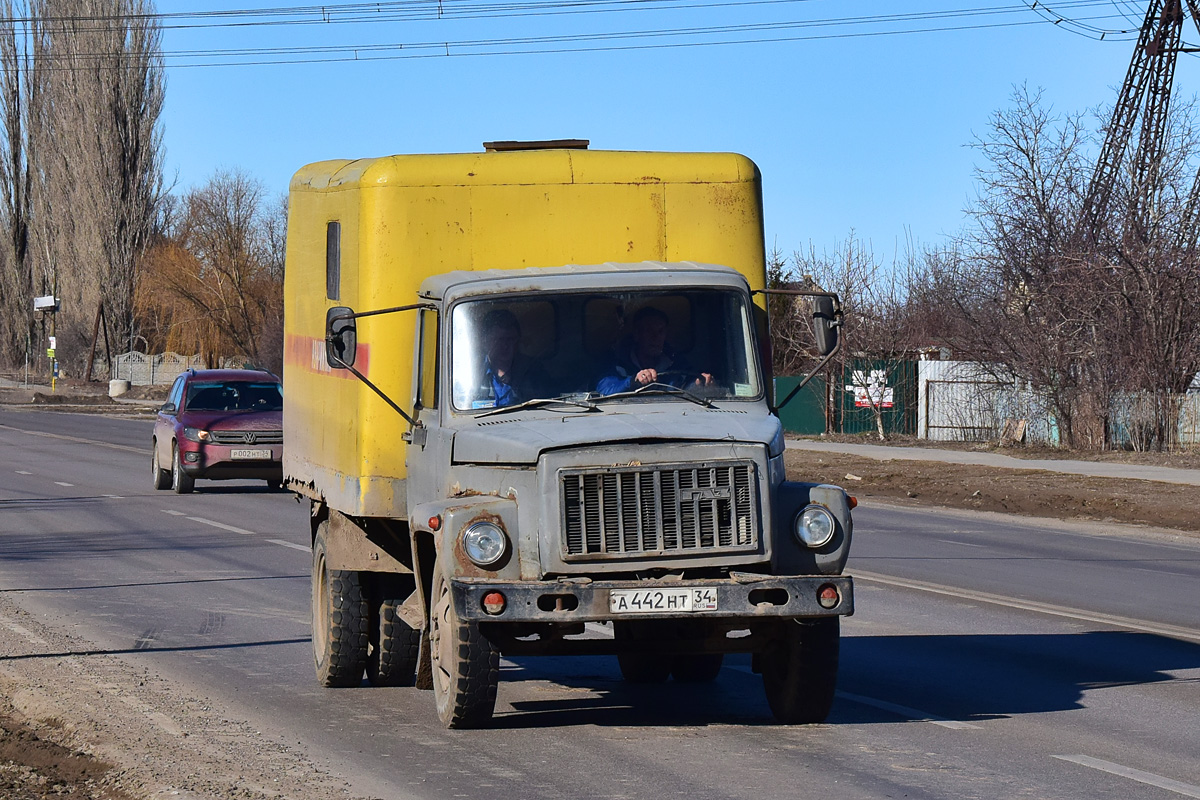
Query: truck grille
{"type": "Point", "coordinates": [678, 510]}
{"type": "Point", "coordinates": [247, 437]}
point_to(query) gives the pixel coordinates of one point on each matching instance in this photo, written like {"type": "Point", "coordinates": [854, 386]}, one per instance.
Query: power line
{"type": "Point", "coordinates": [593, 42]}
{"type": "Point", "coordinates": [410, 10]}
{"type": "Point", "coordinates": [851, 27]}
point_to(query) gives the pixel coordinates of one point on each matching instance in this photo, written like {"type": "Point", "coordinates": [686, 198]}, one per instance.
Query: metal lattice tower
{"type": "Point", "coordinates": [1145, 95]}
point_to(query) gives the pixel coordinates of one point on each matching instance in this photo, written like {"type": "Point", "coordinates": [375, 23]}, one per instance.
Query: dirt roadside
{"type": "Point", "coordinates": [79, 724]}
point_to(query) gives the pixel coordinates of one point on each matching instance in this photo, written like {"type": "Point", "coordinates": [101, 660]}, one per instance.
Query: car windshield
{"type": "Point", "coordinates": [630, 346]}
{"type": "Point", "coordinates": [234, 396]}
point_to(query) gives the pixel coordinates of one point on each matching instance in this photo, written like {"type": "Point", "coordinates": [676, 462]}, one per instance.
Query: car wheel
{"type": "Point", "coordinates": [162, 477]}
{"type": "Point", "coordinates": [181, 482]}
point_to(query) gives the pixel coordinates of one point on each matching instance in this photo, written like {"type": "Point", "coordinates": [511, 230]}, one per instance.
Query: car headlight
{"type": "Point", "coordinates": [195, 434]}
{"type": "Point", "coordinates": [815, 526]}
{"type": "Point", "coordinates": [484, 543]}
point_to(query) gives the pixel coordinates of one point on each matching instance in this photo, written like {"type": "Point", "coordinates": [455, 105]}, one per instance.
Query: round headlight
{"type": "Point", "coordinates": [815, 526]}
{"type": "Point", "coordinates": [484, 543]}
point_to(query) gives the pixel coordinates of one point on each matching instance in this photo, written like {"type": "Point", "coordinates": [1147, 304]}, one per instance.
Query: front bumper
{"type": "Point", "coordinates": [216, 462]}
{"type": "Point", "coordinates": [742, 595]}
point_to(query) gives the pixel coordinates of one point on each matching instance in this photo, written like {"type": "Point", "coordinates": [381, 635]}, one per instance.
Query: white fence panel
{"type": "Point", "coordinates": [141, 369]}
{"type": "Point", "coordinates": [1189, 421]}
{"type": "Point", "coordinates": [962, 401]}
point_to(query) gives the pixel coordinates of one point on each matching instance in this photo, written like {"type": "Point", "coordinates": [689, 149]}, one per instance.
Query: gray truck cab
{"type": "Point", "coordinates": [562, 499]}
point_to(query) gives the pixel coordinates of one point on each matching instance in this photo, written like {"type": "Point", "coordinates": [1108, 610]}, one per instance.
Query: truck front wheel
{"type": "Point", "coordinates": [799, 670]}
{"type": "Point", "coordinates": [697, 668]}
{"type": "Point", "coordinates": [339, 621]}
{"type": "Point", "coordinates": [466, 666]}
{"type": "Point", "coordinates": [642, 667]}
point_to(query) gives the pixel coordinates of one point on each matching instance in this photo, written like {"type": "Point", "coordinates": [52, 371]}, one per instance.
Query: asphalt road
{"type": "Point", "coordinates": [991, 656]}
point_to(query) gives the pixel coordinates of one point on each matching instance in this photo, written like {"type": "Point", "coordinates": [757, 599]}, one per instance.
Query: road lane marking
{"type": "Point", "coordinates": [912, 713]}
{"type": "Point", "coordinates": [113, 496]}
{"type": "Point", "coordinates": [24, 472]}
{"type": "Point", "coordinates": [75, 439]}
{"type": "Point", "coordinates": [172, 512]}
{"type": "Point", "coordinates": [916, 715]}
{"type": "Point", "coordinates": [1171, 631]}
{"type": "Point", "coordinates": [961, 544]}
{"type": "Point", "coordinates": [1149, 778]}
{"type": "Point", "coordinates": [282, 543]}
{"type": "Point", "coordinates": [222, 526]}
{"type": "Point", "coordinates": [64, 483]}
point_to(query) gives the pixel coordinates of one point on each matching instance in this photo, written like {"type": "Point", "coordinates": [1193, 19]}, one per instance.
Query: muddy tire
{"type": "Point", "coordinates": [395, 647]}
{"type": "Point", "coordinates": [181, 482]}
{"type": "Point", "coordinates": [697, 667]}
{"type": "Point", "coordinates": [162, 477]}
{"type": "Point", "coordinates": [466, 666]}
{"type": "Point", "coordinates": [339, 621]}
{"type": "Point", "coordinates": [640, 667]}
{"type": "Point", "coordinates": [799, 670]}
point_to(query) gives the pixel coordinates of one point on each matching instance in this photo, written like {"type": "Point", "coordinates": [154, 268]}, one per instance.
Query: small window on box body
{"type": "Point", "coordinates": [333, 260]}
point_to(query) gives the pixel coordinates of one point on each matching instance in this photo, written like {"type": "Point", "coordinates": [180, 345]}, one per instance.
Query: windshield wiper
{"type": "Point", "coordinates": [538, 402]}
{"type": "Point", "coordinates": [658, 388]}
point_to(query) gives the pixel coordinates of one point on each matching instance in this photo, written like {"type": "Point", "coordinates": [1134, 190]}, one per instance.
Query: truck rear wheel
{"type": "Point", "coordinates": [641, 667]}
{"type": "Point", "coordinates": [799, 670]}
{"type": "Point", "coordinates": [697, 668]}
{"type": "Point", "coordinates": [466, 666]}
{"type": "Point", "coordinates": [395, 646]}
{"type": "Point", "coordinates": [339, 622]}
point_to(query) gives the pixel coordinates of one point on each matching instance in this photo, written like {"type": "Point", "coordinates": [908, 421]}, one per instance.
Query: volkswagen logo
{"type": "Point", "coordinates": [249, 437]}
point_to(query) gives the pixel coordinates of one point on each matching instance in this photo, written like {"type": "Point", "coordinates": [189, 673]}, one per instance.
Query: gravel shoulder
{"type": "Point", "coordinates": [76, 723]}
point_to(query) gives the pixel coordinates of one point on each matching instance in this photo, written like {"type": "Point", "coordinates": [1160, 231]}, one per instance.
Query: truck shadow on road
{"type": "Point", "coordinates": [883, 680]}
{"type": "Point", "coordinates": [989, 676]}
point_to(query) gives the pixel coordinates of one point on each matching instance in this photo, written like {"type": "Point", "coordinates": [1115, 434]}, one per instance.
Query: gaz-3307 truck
{"type": "Point", "coordinates": [528, 389]}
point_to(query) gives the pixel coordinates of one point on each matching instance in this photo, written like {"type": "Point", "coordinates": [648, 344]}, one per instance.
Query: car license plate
{"type": "Point", "coordinates": [647, 601]}
{"type": "Point", "coordinates": [249, 455]}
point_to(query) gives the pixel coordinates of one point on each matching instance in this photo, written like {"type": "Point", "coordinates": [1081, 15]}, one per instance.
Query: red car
{"type": "Point", "coordinates": [219, 424]}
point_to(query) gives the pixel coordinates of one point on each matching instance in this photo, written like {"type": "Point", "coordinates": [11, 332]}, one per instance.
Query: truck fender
{"type": "Point", "coordinates": [444, 522]}
{"type": "Point", "coordinates": [793, 558]}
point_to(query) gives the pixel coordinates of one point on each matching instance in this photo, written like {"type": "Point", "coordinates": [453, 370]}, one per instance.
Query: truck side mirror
{"type": "Point", "coordinates": [341, 337]}
{"type": "Point", "coordinates": [826, 321]}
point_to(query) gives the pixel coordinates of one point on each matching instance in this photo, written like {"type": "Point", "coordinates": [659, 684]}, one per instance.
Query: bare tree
{"type": "Point", "coordinates": [881, 329]}
{"type": "Point", "coordinates": [18, 281]}
{"type": "Point", "coordinates": [1088, 314]}
{"type": "Point", "coordinates": [98, 172]}
{"type": "Point", "coordinates": [214, 283]}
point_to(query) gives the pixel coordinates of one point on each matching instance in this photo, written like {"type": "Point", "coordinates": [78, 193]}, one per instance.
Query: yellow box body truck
{"type": "Point", "coordinates": [525, 390]}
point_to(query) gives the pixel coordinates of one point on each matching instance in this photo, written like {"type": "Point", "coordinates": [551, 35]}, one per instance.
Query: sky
{"type": "Point", "coordinates": [859, 115]}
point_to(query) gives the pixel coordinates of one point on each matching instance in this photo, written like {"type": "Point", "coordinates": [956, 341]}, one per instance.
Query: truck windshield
{"type": "Point", "coordinates": [506, 351]}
